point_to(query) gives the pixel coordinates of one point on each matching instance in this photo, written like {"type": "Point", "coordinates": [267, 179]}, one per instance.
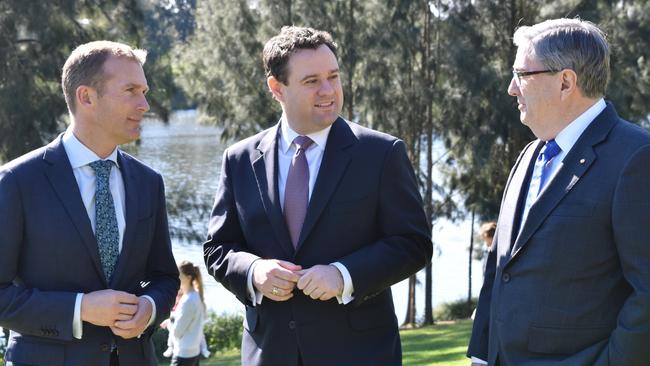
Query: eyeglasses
{"type": "Point", "coordinates": [517, 75]}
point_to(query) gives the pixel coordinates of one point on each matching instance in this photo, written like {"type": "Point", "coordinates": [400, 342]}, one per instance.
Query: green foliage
{"type": "Point", "coordinates": [223, 332]}
{"type": "Point", "coordinates": [459, 309]}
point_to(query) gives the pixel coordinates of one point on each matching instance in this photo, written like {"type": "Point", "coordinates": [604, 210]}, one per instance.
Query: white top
{"type": "Point", "coordinates": [186, 325]}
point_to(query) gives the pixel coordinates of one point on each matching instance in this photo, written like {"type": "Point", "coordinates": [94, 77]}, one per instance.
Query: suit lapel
{"type": "Point", "coordinates": [516, 190]}
{"type": "Point", "coordinates": [335, 161]}
{"type": "Point", "coordinates": [265, 170]}
{"type": "Point", "coordinates": [60, 175]}
{"type": "Point", "coordinates": [130, 216]}
{"type": "Point", "coordinates": [574, 166]}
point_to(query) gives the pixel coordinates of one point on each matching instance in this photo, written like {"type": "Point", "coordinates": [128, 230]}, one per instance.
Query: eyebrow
{"type": "Point", "coordinates": [139, 86]}
{"type": "Point", "coordinates": [333, 71]}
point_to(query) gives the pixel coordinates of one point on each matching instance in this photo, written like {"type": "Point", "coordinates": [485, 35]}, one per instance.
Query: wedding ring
{"type": "Point", "coordinates": [275, 290]}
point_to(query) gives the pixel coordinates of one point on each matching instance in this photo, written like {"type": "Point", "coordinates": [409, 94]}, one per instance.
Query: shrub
{"type": "Point", "coordinates": [222, 333]}
{"type": "Point", "coordinates": [459, 309]}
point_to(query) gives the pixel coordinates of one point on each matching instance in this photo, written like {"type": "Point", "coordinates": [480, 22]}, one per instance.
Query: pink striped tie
{"type": "Point", "coordinates": [296, 192]}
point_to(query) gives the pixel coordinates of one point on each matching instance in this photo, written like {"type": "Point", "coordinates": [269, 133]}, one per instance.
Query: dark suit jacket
{"type": "Point", "coordinates": [365, 212]}
{"type": "Point", "coordinates": [574, 287]}
{"type": "Point", "coordinates": [49, 254]}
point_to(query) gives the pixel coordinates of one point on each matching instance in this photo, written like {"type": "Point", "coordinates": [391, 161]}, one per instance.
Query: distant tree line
{"type": "Point", "coordinates": [434, 73]}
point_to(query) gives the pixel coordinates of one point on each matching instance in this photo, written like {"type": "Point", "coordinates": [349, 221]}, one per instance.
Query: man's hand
{"type": "Point", "coordinates": [105, 307]}
{"type": "Point", "coordinates": [321, 282]}
{"type": "Point", "coordinates": [136, 325]}
{"type": "Point", "coordinates": [275, 279]}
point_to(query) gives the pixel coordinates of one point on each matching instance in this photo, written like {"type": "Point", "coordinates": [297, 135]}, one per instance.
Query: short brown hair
{"type": "Point", "coordinates": [279, 49]}
{"type": "Point", "coordinates": [85, 65]}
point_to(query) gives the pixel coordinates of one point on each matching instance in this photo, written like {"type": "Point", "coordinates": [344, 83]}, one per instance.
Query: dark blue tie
{"type": "Point", "coordinates": [106, 231]}
{"type": "Point", "coordinates": [551, 149]}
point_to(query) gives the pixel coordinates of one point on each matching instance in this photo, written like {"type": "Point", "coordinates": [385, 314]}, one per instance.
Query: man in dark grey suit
{"type": "Point", "coordinates": [314, 220]}
{"type": "Point", "coordinates": [85, 258]}
{"type": "Point", "coordinates": [569, 280]}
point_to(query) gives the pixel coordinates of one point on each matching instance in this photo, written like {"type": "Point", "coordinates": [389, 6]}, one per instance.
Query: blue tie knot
{"type": "Point", "coordinates": [102, 168]}
{"type": "Point", "coordinates": [551, 149]}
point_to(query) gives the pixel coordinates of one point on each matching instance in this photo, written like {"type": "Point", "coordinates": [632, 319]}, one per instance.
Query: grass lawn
{"type": "Point", "coordinates": [439, 345]}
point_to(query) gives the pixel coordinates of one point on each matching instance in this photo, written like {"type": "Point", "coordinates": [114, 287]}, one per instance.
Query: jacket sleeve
{"type": "Point", "coordinates": [161, 272]}
{"type": "Point", "coordinates": [225, 252]}
{"type": "Point", "coordinates": [29, 311]}
{"type": "Point", "coordinates": [404, 244]}
{"type": "Point", "coordinates": [628, 343]}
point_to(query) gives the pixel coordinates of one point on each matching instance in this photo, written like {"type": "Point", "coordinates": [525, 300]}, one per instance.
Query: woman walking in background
{"type": "Point", "coordinates": [186, 321]}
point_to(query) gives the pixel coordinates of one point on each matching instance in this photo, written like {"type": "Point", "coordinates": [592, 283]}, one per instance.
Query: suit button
{"type": "Point", "coordinates": [104, 347]}
{"type": "Point", "coordinates": [506, 277]}
{"type": "Point", "coordinates": [292, 325]}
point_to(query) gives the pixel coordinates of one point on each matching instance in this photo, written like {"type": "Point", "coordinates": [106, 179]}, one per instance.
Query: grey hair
{"type": "Point", "coordinates": [573, 44]}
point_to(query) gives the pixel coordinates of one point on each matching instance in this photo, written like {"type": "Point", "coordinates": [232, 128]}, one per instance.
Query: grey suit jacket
{"type": "Point", "coordinates": [365, 212]}
{"type": "Point", "coordinates": [573, 288]}
{"type": "Point", "coordinates": [48, 253]}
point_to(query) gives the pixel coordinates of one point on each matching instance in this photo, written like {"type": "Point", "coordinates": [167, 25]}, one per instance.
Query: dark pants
{"type": "Point", "coordinates": [180, 361]}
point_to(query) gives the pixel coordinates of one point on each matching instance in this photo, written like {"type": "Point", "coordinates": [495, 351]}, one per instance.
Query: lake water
{"type": "Point", "coordinates": [188, 155]}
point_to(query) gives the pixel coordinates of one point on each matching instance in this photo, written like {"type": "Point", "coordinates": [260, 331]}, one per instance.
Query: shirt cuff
{"type": "Point", "coordinates": [348, 288]}
{"type": "Point", "coordinates": [77, 328]}
{"type": "Point", "coordinates": [253, 295]}
{"type": "Point", "coordinates": [153, 310]}
{"type": "Point", "coordinates": [478, 360]}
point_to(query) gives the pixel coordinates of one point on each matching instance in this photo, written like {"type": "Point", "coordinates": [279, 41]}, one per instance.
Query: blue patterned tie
{"type": "Point", "coordinates": [106, 231]}
{"type": "Point", "coordinates": [551, 149]}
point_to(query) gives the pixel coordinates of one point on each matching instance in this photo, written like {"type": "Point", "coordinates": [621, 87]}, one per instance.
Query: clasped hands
{"type": "Point", "coordinates": [126, 314]}
{"type": "Point", "coordinates": [276, 279]}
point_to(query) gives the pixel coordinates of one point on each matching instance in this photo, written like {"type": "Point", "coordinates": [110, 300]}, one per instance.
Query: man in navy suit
{"type": "Point", "coordinates": [568, 282]}
{"type": "Point", "coordinates": [86, 265]}
{"type": "Point", "coordinates": [314, 220]}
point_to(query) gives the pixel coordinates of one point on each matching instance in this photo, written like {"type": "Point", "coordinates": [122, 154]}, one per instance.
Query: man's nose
{"type": "Point", "coordinates": [513, 88]}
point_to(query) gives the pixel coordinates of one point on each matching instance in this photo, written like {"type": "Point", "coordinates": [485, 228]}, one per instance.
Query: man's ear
{"type": "Point", "coordinates": [85, 96]}
{"type": "Point", "coordinates": [569, 82]}
{"type": "Point", "coordinates": [276, 88]}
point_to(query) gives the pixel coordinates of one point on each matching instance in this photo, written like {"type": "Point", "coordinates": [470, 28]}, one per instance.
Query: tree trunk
{"type": "Point", "coordinates": [469, 262]}
{"type": "Point", "coordinates": [409, 320]}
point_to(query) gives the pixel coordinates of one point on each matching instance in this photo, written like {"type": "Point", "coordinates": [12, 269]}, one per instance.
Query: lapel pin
{"type": "Point", "coordinates": [582, 161]}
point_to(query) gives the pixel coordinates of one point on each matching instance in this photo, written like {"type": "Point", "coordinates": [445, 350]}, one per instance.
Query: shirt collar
{"type": "Point", "coordinates": [288, 135]}
{"type": "Point", "coordinates": [571, 133]}
{"type": "Point", "coordinates": [79, 155]}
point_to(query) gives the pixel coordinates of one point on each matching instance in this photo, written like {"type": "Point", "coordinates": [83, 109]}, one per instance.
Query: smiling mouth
{"type": "Point", "coordinates": [325, 105]}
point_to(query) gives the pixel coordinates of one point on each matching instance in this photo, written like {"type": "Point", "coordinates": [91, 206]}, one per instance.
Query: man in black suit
{"type": "Point", "coordinates": [314, 220]}
{"type": "Point", "coordinates": [86, 265]}
{"type": "Point", "coordinates": [568, 282]}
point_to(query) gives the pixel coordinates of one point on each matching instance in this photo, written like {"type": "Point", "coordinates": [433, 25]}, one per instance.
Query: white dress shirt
{"type": "Point", "coordinates": [314, 156]}
{"type": "Point", "coordinates": [80, 157]}
{"type": "Point", "coordinates": [565, 140]}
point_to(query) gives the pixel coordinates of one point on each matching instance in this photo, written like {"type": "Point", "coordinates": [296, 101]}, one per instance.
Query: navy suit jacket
{"type": "Point", "coordinates": [573, 288]}
{"type": "Point", "coordinates": [365, 212]}
{"type": "Point", "coordinates": [49, 254]}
